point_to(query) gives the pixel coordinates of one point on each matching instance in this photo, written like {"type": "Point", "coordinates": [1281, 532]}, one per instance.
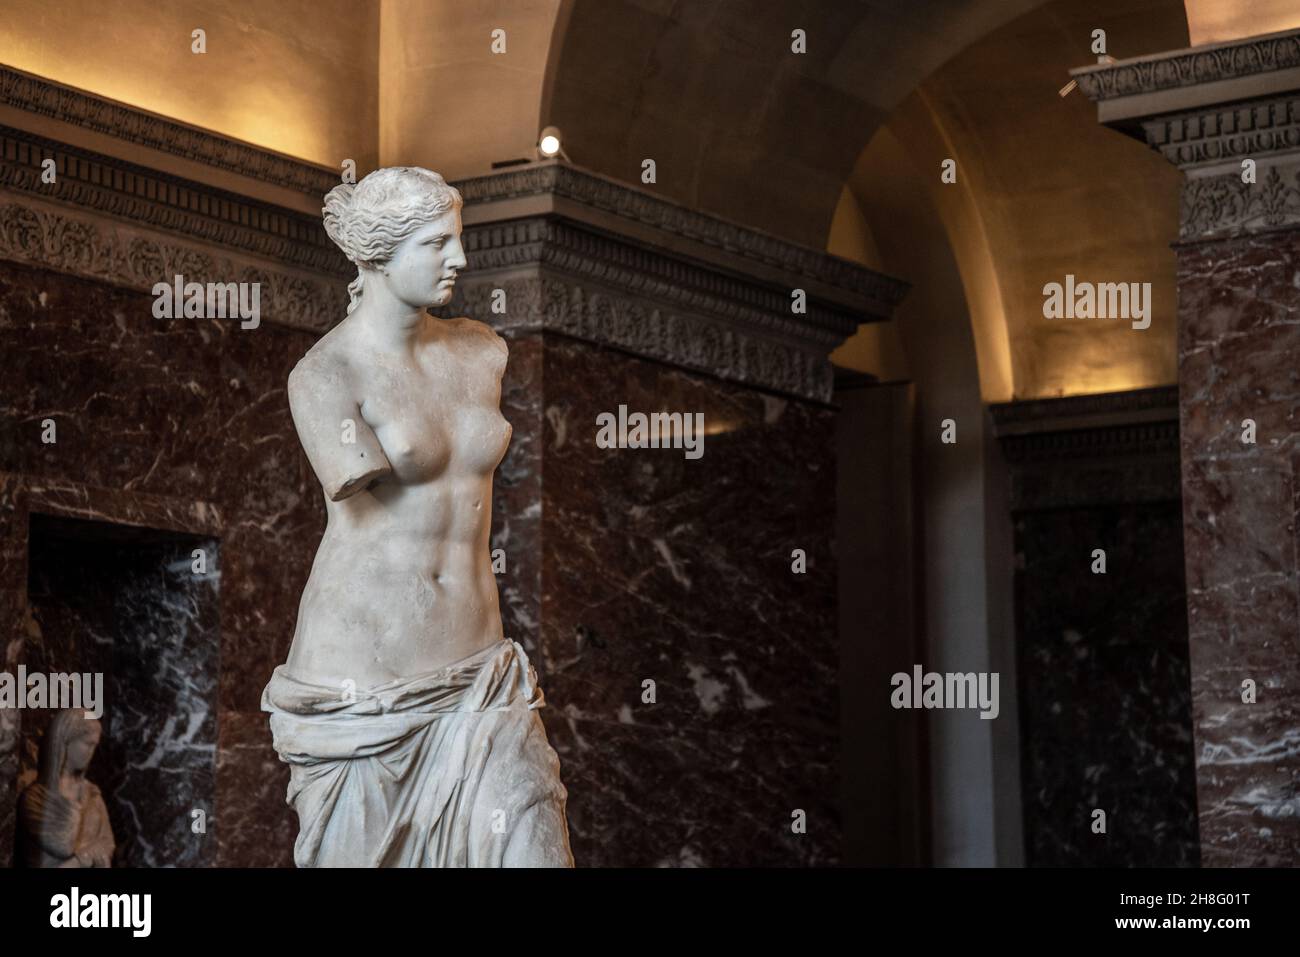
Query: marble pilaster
{"type": "Point", "coordinates": [1228, 115]}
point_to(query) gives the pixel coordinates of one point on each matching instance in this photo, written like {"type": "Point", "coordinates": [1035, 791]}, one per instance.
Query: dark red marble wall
{"type": "Point", "coordinates": [679, 571]}
{"type": "Point", "coordinates": [1103, 687]}
{"type": "Point", "coordinates": [1239, 358]}
{"type": "Point", "coordinates": [517, 496]}
{"type": "Point", "coordinates": [175, 424]}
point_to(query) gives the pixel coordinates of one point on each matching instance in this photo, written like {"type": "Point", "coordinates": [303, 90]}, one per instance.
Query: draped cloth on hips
{"type": "Point", "coordinates": [446, 769]}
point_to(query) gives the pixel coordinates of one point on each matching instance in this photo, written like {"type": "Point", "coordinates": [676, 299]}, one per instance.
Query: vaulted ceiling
{"type": "Point", "coordinates": [736, 122]}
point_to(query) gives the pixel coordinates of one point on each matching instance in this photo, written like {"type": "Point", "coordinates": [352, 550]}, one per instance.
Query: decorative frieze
{"type": "Point", "coordinates": [642, 271]}
{"type": "Point", "coordinates": [1213, 63]}
{"type": "Point", "coordinates": [1228, 115]}
{"type": "Point", "coordinates": [39, 96]}
{"type": "Point", "coordinates": [1226, 135]}
{"type": "Point", "coordinates": [606, 316]}
{"type": "Point", "coordinates": [639, 206]}
{"type": "Point", "coordinates": [97, 184]}
{"type": "Point", "coordinates": [626, 280]}
{"type": "Point", "coordinates": [1218, 206]}
{"type": "Point", "coordinates": [105, 218]}
{"type": "Point", "coordinates": [1092, 449]}
{"type": "Point", "coordinates": [99, 248]}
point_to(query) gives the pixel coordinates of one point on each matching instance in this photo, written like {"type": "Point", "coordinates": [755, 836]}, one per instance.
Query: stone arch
{"type": "Point", "coordinates": [694, 86]}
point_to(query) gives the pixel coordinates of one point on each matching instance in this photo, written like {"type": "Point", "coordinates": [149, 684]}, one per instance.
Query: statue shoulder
{"type": "Point", "coordinates": [480, 330]}
{"type": "Point", "coordinates": [324, 365]}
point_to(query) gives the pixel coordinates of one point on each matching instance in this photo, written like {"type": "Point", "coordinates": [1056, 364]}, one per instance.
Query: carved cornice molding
{"type": "Point", "coordinates": [1141, 438]}
{"type": "Point", "coordinates": [1159, 403]}
{"type": "Point", "coordinates": [1197, 66]}
{"type": "Point", "coordinates": [45, 98]}
{"type": "Point", "coordinates": [1116, 447]}
{"type": "Point", "coordinates": [1226, 134]}
{"type": "Point", "coordinates": [1204, 143]}
{"type": "Point", "coordinates": [546, 301]}
{"type": "Point", "coordinates": [592, 258]}
{"type": "Point", "coordinates": [96, 247]}
{"type": "Point", "coordinates": [643, 272]}
{"type": "Point", "coordinates": [1206, 110]}
{"type": "Point", "coordinates": [108, 219]}
{"type": "Point", "coordinates": [100, 184]}
{"type": "Point", "coordinates": [764, 250]}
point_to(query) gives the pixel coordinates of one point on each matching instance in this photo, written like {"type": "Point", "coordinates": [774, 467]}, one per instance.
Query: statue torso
{"type": "Point", "coordinates": [402, 583]}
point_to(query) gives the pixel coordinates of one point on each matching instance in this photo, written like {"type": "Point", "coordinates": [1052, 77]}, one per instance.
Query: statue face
{"type": "Point", "coordinates": [80, 750]}
{"type": "Point", "coordinates": [423, 270]}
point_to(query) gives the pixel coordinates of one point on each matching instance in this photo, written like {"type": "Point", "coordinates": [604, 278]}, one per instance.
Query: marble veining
{"type": "Point", "coordinates": [1104, 687]}
{"type": "Point", "coordinates": [182, 426]}
{"type": "Point", "coordinates": [136, 612]}
{"type": "Point", "coordinates": [1238, 338]}
{"type": "Point", "coordinates": [678, 571]}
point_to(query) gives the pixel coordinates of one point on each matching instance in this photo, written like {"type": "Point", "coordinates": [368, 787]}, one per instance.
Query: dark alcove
{"type": "Point", "coordinates": [128, 603]}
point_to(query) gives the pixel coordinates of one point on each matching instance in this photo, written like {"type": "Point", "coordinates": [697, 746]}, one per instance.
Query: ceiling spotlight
{"type": "Point", "coordinates": [548, 143]}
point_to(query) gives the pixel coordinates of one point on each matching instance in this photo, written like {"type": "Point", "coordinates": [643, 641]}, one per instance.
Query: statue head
{"type": "Point", "coordinates": [401, 226]}
{"type": "Point", "coordinates": [63, 821]}
{"type": "Point", "coordinates": [69, 744]}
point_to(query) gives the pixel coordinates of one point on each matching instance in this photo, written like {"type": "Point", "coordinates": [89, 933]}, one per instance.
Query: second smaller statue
{"type": "Point", "coordinates": [62, 820]}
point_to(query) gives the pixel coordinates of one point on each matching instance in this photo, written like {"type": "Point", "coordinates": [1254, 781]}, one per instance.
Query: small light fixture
{"type": "Point", "coordinates": [549, 143]}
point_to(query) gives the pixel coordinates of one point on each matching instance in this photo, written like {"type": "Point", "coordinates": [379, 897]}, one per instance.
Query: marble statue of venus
{"type": "Point", "coordinates": [410, 724]}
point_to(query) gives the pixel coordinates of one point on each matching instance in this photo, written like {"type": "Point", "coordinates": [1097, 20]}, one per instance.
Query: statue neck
{"type": "Point", "coordinates": [388, 324]}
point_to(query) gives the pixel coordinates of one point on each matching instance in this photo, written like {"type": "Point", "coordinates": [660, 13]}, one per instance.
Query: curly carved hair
{"type": "Point", "coordinates": [369, 220]}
